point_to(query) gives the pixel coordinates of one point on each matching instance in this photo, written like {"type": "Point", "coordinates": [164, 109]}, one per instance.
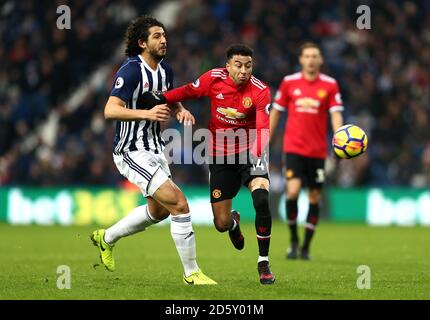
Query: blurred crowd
{"type": "Point", "coordinates": [383, 74]}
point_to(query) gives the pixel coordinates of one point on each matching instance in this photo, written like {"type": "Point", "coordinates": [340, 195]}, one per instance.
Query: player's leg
{"type": "Point", "coordinates": [138, 219]}
{"type": "Point", "coordinates": [135, 167]}
{"type": "Point", "coordinates": [221, 210]}
{"type": "Point", "coordinates": [311, 220]}
{"type": "Point", "coordinates": [315, 181]}
{"type": "Point", "coordinates": [168, 194]}
{"type": "Point", "coordinates": [224, 185]}
{"type": "Point", "coordinates": [171, 197]}
{"type": "Point", "coordinates": [293, 174]}
{"type": "Point", "coordinates": [226, 219]}
{"type": "Point", "coordinates": [259, 188]}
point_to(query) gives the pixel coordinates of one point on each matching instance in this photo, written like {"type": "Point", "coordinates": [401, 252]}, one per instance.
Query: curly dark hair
{"type": "Point", "coordinates": [137, 30]}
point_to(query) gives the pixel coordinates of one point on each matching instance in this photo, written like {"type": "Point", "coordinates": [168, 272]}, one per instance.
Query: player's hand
{"type": "Point", "coordinates": [185, 117]}
{"type": "Point", "coordinates": [151, 99]}
{"type": "Point", "coordinates": [160, 112]}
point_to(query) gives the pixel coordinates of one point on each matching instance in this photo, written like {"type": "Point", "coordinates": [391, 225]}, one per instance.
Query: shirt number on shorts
{"type": "Point", "coordinates": [260, 167]}
{"type": "Point", "coordinates": [320, 176]}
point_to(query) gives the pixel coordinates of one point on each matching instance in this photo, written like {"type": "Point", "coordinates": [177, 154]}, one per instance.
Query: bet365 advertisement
{"type": "Point", "coordinates": [101, 206]}
{"type": "Point", "coordinates": [105, 206]}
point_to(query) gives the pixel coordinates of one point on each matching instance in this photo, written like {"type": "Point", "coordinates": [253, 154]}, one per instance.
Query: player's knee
{"type": "Point", "coordinates": [160, 213]}
{"type": "Point", "coordinates": [260, 198]}
{"type": "Point", "coordinates": [221, 224]}
{"type": "Point", "coordinates": [181, 206]}
{"type": "Point", "coordinates": [314, 196]}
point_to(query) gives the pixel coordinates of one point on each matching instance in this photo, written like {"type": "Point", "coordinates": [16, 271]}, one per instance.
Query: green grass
{"type": "Point", "coordinates": [148, 266]}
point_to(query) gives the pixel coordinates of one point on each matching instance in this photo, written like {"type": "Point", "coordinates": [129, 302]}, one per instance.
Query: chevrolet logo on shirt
{"type": "Point", "coordinates": [230, 113]}
{"type": "Point", "coordinates": [308, 105]}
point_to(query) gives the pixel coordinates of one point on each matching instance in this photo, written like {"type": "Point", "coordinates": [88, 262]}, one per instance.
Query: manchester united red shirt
{"type": "Point", "coordinates": [307, 103]}
{"type": "Point", "coordinates": [239, 108]}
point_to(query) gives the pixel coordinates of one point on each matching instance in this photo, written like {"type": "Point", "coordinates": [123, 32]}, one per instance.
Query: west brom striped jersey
{"type": "Point", "coordinates": [132, 79]}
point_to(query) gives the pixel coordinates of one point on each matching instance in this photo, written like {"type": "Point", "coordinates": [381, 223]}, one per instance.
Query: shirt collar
{"type": "Point", "coordinates": [310, 81]}
{"type": "Point", "coordinates": [147, 65]}
{"type": "Point", "coordinates": [233, 84]}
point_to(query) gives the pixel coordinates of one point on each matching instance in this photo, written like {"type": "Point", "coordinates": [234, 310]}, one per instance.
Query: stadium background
{"type": "Point", "coordinates": [55, 146]}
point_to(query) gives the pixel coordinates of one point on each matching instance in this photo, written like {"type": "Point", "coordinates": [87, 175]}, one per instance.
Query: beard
{"type": "Point", "coordinates": [157, 55]}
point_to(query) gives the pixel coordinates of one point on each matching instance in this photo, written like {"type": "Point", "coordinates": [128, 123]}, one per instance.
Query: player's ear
{"type": "Point", "coordinates": [141, 43]}
{"type": "Point", "coordinates": [227, 66]}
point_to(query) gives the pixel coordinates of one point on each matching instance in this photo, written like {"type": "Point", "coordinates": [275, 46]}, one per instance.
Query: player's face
{"type": "Point", "coordinates": [311, 60]}
{"type": "Point", "coordinates": [156, 43]}
{"type": "Point", "coordinates": [239, 69]}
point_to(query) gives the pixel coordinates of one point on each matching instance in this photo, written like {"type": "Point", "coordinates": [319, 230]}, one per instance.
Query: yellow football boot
{"type": "Point", "coordinates": [105, 250]}
{"type": "Point", "coordinates": [198, 278]}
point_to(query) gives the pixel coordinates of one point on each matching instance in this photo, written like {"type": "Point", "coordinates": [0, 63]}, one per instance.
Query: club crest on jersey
{"type": "Point", "coordinates": [289, 174]}
{"type": "Point", "coordinates": [216, 193]}
{"type": "Point", "coordinates": [297, 92]}
{"type": "Point", "coordinates": [247, 102]}
{"type": "Point", "coordinates": [119, 82]}
{"type": "Point", "coordinates": [321, 93]}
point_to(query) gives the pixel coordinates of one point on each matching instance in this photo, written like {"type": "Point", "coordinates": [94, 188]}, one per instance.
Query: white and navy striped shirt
{"type": "Point", "coordinates": [133, 79]}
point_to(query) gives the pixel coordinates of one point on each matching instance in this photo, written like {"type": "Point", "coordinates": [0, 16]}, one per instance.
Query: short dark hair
{"type": "Point", "coordinates": [307, 45]}
{"type": "Point", "coordinates": [137, 30]}
{"type": "Point", "coordinates": [239, 49]}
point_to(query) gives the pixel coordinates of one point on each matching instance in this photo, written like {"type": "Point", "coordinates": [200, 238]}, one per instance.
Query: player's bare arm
{"type": "Point", "coordinates": [275, 115]}
{"type": "Point", "coordinates": [336, 120]}
{"type": "Point", "coordinates": [115, 110]}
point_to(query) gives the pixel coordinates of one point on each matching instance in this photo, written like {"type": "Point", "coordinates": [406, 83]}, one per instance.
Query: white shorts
{"type": "Point", "coordinates": [145, 169]}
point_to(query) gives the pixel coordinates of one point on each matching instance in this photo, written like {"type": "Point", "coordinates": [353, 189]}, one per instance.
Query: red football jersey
{"type": "Point", "coordinates": [233, 108]}
{"type": "Point", "coordinates": [307, 103]}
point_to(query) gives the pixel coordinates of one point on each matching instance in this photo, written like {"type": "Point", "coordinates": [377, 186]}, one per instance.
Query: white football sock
{"type": "Point", "coordinates": [260, 258]}
{"type": "Point", "coordinates": [137, 220]}
{"type": "Point", "coordinates": [185, 241]}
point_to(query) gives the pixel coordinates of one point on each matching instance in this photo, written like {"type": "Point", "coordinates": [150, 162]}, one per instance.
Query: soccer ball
{"type": "Point", "coordinates": [349, 141]}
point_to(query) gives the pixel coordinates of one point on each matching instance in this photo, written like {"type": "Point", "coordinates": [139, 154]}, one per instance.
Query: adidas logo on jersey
{"type": "Point", "coordinates": [220, 96]}
{"type": "Point", "coordinates": [297, 92]}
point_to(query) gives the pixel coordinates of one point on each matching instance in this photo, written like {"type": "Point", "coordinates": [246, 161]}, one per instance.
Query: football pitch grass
{"type": "Point", "coordinates": [148, 266]}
